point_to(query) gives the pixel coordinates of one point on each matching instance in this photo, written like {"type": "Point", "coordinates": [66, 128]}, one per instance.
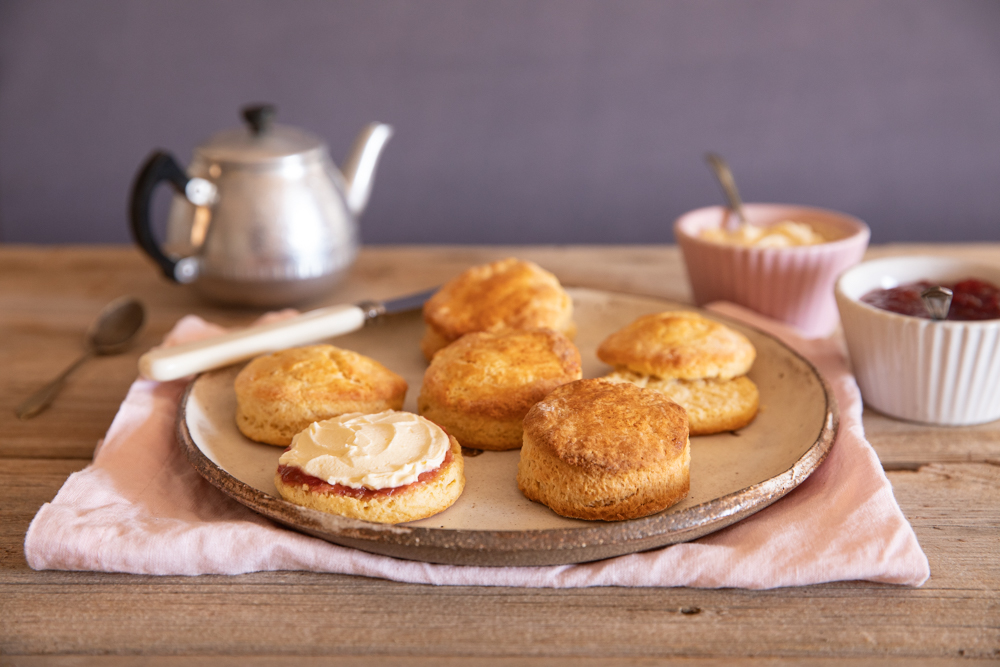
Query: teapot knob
{"type": "Point", "coordinates": [259, 117]}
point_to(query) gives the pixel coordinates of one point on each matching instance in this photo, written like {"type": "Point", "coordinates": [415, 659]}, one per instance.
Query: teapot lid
{"type": "Point", "coordinates": [260, 140]}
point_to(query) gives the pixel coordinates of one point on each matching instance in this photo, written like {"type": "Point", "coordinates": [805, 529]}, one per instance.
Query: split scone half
{"type": "Point", "coordinates": [389, 467]}
{"type": "Point", "coordinates": [603, 450]}
{"type": "Point", "coordinates": [696, 362]}
{"type": "Point", "coordinates": [280, 394]}
{"type": "Point", "coordinates": [480, 387]}
{"type": "Point", "coordinates": [507, 294]}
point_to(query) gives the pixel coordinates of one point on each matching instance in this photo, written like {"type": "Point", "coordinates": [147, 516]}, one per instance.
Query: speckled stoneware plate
{"type": "Point", "coordinates": [733, 475]}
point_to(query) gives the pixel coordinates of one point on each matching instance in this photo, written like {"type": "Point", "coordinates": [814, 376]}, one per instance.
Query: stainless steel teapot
{"type": "Point", "coordinates": [262, 217]}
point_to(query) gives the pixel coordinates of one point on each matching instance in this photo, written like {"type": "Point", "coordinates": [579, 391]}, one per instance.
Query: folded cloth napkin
{"type": "Point", "coordinates": [141, 508]}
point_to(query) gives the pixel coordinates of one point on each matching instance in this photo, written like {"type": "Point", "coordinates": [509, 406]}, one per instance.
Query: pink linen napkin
{"type": "Point", "coordinates": [141, 508]}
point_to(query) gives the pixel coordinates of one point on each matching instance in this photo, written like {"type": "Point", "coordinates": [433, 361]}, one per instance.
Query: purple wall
{"type": "Point", "coordinates": [535, 121]}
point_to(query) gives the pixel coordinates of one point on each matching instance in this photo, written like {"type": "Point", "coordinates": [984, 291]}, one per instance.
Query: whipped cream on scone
{"type": "Point", "coordinates": [379, 451]}
{"type": "Point", "coordinates": [388, 467]}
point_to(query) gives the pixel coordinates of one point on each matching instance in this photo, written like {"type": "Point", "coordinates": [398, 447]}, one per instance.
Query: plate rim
{"type": "Point", "coordinates": [547, 546]}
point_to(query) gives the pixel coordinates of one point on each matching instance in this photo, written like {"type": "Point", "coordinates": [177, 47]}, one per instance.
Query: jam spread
{"type": "Point", "coordinates": [295, 476]}
{"type": "Point", "coordinates": [972, 299]}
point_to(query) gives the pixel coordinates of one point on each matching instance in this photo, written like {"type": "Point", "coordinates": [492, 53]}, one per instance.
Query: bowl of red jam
{"type": "Point", "coordinates": [972, 299]}
{"type": "Point", "coordinates": [911, 366]}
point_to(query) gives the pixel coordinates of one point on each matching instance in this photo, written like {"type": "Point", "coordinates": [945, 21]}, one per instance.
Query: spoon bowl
{"type": "Point", "coordinates": [112, 332]}
{"type": "Point", "coordinates": [116, 326]}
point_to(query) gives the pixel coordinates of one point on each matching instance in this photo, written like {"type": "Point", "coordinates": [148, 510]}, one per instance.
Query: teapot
{"type": "Point", "coordinates": [262, 217]}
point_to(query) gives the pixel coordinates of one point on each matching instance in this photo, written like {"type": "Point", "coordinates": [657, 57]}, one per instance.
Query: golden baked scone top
{"type": "Point", "coordinates": [679, 345]}
{"type": "Point", "coordinates": [509, 293]}
{"type": "Point", "coordinates": [614, 427]}
{"type": "Point", "coordinates": [318, 372]}
{"type": "Point", "coordinates": [502, 373]}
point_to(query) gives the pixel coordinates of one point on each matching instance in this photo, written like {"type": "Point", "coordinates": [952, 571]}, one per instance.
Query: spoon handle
{"type": "Point", "coordinates": [43, 398]}
{"type": "Point", "coordinates": [725, 177]}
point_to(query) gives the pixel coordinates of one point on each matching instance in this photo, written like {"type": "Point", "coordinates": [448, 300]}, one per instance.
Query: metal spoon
{"type": "Point", "coordinates": [728, 183]}
{"type": "Point", "coordinates": [112, 332]}
{"type": "Point", "coordinates": [937, 301]}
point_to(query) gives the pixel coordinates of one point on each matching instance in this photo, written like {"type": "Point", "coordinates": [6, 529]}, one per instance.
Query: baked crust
{"type": "Point", "coordinates": [679, 344]}
{"type": "Point", "coordinates": [480, 387]}
{"type": "Point", "coordinates": [507, 294]}
{"type": "Point", "coordinates": [409, 503]}
{"type": "Point", "coordinates": [712, 405]}
{"type": "Point", "coordinates": [601, 450]}
{"type": "Point", "coordinates": [280, 394]}
{"type": "Point", "coordinates": [432, 342]}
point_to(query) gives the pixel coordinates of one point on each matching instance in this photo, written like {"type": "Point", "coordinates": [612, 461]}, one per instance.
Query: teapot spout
{"type": "Point", "coordinates": [359, 167]}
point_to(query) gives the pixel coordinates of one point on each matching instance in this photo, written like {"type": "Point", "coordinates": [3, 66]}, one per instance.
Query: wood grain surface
{"type": "Point", "coordinates": [947, 481]}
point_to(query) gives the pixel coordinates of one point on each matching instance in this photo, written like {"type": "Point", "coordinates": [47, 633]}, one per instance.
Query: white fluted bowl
{"type": "Point", "coordinates": [913, 368]}
{"type": "Point", "coordinates": [793, 285]}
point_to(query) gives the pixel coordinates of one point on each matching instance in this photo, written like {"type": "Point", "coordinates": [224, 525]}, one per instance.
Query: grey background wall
{"type": "Point", "coordinates": [534, 121]}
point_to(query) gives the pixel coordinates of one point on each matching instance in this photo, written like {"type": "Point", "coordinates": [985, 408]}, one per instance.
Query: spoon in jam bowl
{"type": "Point", "coordinates": [937, 301]}
{"type": "Point", "coordinates": [725, 177]}
{"type": "Point", "coordinates": [114, 330]}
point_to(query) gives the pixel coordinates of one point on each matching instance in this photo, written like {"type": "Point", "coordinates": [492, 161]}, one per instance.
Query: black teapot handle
{"type": "Point", "coordinates": [160, 166]}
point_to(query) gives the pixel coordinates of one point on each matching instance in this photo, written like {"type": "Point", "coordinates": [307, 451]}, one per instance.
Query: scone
{"type": "Point", "coordinates": [280, 394]}
{"type": "Point", "coordinates": [389, 467]}
{"type": "Point", "coordinates": [712, 405]}
{"type": "Point", "coordinates": [595, 449]}
{"type": "Point", "coordinates": [679, 344]}
{"type": "Point", "coordinates": [508, 294]}
{"type": "Point", "coordinates": [696, 362]}
{"type": "Point", "coordinates": [480, 387]}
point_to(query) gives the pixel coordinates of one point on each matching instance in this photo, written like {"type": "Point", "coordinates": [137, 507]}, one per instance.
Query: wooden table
{"type": "Point", "coordinates": [947, 481]}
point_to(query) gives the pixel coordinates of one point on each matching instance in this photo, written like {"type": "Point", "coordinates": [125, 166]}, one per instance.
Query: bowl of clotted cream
{"type": "Point", "coordinates": [782, 261]}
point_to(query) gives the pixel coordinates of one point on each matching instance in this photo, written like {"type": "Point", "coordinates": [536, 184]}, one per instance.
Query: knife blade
{"type": "Point", "coordinates": [171, 363]}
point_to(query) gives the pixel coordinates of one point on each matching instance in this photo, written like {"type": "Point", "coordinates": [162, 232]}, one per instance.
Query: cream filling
{"type": "Point", "coordinates": [785, 234]}
{"type": "Point", "coordinates": [379, 451]}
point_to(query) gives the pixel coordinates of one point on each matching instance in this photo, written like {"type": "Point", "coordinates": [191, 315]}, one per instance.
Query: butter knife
{"type": "Point", "coordinates": [171, 363]}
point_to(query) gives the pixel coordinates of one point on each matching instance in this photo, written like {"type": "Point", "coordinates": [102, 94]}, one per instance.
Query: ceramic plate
{"type": "Point", "coordinates": [733, 475]}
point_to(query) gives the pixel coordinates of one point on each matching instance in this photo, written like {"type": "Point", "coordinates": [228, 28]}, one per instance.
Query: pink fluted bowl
{"type": "Point", "coordinates": [793, 285]}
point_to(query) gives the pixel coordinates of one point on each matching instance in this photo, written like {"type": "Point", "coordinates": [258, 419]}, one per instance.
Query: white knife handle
{"type": "Point", "coordinates": [171, 363]}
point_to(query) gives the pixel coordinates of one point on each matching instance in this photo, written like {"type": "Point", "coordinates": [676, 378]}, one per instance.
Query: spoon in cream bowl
{"type": "Point", "coordinates": [725, 177]}
{"type": "Point", "coordinates": [115, 328]}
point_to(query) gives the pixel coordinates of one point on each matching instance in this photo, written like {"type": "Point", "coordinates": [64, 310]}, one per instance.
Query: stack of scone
{"type": "Point", "coordinates": [507, 294]}
{"type": "Point", "coordinates": [595, 449]}
{"type": "Point", "coordinates": [696, 362]}
{"type": "Point", "coordinates": [480, 387]}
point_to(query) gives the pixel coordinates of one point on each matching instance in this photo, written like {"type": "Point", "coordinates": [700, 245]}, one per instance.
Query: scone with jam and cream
{"type": "Point", "coordinates": [692, 360]}
{"type": "Point", "coordinates": [389, 467]}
